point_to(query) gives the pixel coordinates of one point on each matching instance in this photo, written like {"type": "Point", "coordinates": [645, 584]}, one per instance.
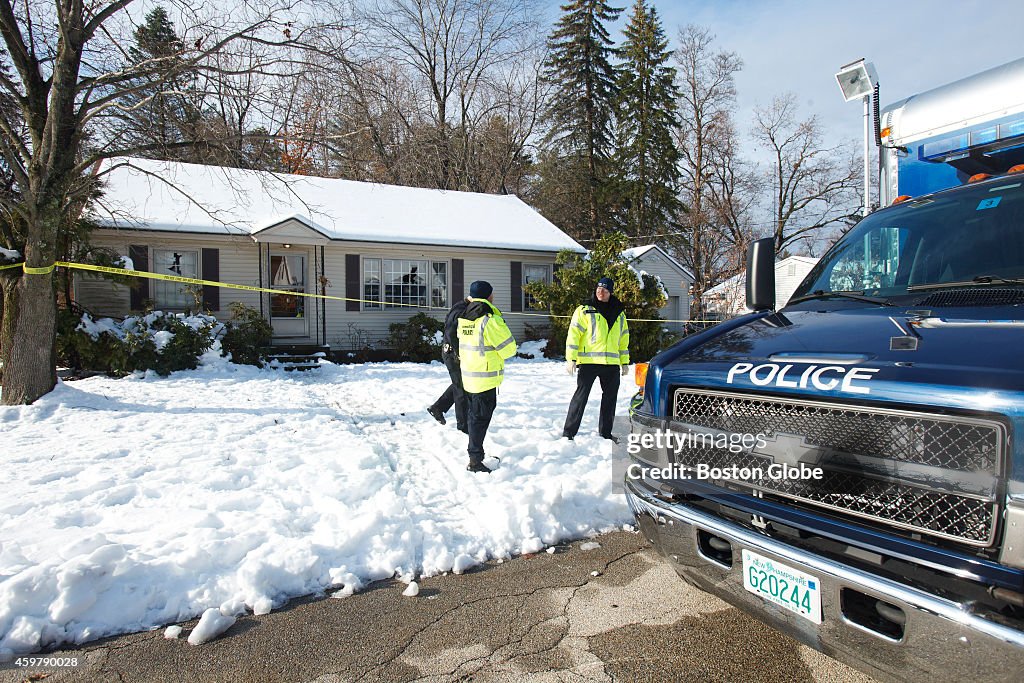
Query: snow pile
{"type": "Point", "coordinates": [412, 590]}
{"type": "Point", "coordinates": [533, 348]}
{"type": "Point", "coordinates": [135, 503]}
{"type": "Point", "coordinates": [10, 254]}
{"type": "Point", "coordinates": [211, 625]}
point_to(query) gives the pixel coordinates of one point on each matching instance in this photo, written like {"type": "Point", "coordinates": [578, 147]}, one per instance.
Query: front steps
{"type": "Point", "coordinates": [299, 358]}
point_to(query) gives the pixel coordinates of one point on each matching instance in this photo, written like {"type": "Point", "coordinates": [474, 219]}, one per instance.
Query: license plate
{"type": "Point", "coordinates": [785, 586]}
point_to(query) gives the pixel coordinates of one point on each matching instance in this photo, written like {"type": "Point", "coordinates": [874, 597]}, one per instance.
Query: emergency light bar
{"type": "Point", "coordinates": [990, 138]}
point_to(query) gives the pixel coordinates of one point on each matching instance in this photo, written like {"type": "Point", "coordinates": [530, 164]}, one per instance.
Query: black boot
{"type": "Point", "coordinates": [436, 414]}
{"type": "Point", "coordinates": [478, 467]}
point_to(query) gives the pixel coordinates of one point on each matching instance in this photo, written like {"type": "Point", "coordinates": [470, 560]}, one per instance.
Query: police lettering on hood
{"type": "Point", "coordinates": [815, 377]}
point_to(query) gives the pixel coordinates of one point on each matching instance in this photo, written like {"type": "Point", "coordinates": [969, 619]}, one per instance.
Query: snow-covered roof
{"type": "Point", "coordinates": [179, 197]}
{"type": "Point", "coordinates": [633, 253]}
{"type": "Point", "coordinates": [637, 252]}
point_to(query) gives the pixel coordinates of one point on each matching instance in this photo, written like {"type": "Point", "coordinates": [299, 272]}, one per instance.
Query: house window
{"type": "Point", "coordinates": [533, 273]}
{"type": "Point", "coordinates": [173, 295]}
{"type": "Point", "coordinates": [403, 283]}
{"type": "Point", "coordinates": [371, 284]}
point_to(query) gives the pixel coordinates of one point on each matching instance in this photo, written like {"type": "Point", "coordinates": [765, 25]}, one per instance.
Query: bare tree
{"type": "Point", "coordinates": [813, 185]}
{"type": "Point", "coordinates": [463, 63]}
{"type": "Point", "coordinates": [717, 188]}
{"type": "Point", "coordinates": [75, 86]}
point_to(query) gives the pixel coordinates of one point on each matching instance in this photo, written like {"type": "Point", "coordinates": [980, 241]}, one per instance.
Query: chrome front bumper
{"type": "Point", "coordinates": [941, 640]}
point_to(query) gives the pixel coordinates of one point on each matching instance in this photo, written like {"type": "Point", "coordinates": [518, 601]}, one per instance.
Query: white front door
{"type": "Point", "coordinates": [288, 311]}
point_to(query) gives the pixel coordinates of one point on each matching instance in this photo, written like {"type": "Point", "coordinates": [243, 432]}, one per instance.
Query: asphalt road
{"type": "Point", "coordinates": [541, 617]}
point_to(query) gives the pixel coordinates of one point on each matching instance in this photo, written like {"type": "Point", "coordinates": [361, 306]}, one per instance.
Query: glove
{"type": "Point", "coordinates": [570, 367]}
{"type": "Point", "coordinates": [625, 370]}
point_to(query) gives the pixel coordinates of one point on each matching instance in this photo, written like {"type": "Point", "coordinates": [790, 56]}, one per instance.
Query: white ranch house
{"type": "Point", "coordinates": [379, 245]}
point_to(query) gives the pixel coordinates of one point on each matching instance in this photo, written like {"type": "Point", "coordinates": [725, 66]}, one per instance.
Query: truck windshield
{"type": "Point", "coordinates": [973, 236]}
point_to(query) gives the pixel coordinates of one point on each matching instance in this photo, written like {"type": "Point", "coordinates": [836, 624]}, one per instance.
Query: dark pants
{"type": "Point", "coordinates": [454, 394]}
{"type": "Point", "coordinates": [585, 376]}
{"type": "Point", "coordinates": [480, 409]}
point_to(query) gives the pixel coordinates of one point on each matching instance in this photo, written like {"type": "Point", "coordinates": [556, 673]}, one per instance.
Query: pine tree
{"type": "Point", "coordinates": [579, 116]}
{"type": "Point", "coordinates": [162, 117]}
{"type": "Point", "coordinates": [646, 114]}
{"type": "Point", "coordinates": [156, 38]}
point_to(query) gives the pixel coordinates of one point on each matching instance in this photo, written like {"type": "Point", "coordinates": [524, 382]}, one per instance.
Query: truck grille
{"type": "Point", "coordinates": [842, 438]}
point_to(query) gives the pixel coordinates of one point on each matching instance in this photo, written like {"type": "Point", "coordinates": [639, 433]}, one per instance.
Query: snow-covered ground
{"type": "Point", "coordinates": [133, 503]}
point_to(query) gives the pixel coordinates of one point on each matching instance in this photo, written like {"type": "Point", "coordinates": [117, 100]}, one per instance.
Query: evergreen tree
{"type": "Point", "coordinates": [162, 118]}
{"type": "Point", "coordinates": [579, 115]}
{"type": "Point", "coordinates": [641, 294]}
{"type": "Point", "coordinates": [156, 38]}
{"type": "Point", "coordinates": [647, 157]}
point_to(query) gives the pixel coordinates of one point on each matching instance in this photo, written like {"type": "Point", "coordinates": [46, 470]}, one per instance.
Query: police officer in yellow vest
{"type": "Point", "coordinates": [484, 344]}
{"type": "Point", "coordinates": [598, 347]}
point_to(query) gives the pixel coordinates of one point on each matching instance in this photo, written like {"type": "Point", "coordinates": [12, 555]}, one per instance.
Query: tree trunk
{"type": "Point", "coordinates": [27, 340]}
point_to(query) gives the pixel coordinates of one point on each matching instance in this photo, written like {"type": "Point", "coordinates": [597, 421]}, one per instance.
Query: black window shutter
{"type": "Point", "coordinates": [139, 254]}
{"type": "Point", "coordinates": [458, 280]}
{"type": "Point", "coordinates": [352, 280]}
{"type": "Point", "coordinates": [211, 271]}
{"type": "Point", "coordinates": [517, 287]}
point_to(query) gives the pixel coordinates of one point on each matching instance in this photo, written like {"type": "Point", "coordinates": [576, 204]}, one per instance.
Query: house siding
{"type": "Point", "coordinates": [352, 329]}
{"type": "Point", "coordinates": [786, 284]}
{"type": "Point", "coordinates": [345, 330]}
{"type": "Point", "coordinates": [237, 260]}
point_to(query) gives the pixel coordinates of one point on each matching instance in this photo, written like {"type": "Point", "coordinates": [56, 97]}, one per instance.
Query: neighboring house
{"type": "Point", "coordinates": [382, 244]}
{"type": "Point", "coordinates": [676, 279]}
{"type": "Point", "coordinates": [728, 299]}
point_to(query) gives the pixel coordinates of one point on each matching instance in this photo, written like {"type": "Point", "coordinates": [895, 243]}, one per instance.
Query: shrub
{"type": "Point", "coordinates": [248, 335]}
{"type": "Point", "coordinates": [162, 342]}
{"type": "Point", "coordinates": [168, 342]}
{"type": "Point", "coordinates": [103, 349]}
{"type": "Point", "coordinates": [418, 339]}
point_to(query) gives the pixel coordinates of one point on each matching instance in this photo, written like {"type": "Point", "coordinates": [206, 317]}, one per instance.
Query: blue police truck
{"type": "Point", "coordinates": [849, 467]}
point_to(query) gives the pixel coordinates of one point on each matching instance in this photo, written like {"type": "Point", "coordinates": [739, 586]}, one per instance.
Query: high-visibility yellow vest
{"type": "Point", "coordinates": [590, 340]}
{"type": "Point", "coordinates": [484, 344]}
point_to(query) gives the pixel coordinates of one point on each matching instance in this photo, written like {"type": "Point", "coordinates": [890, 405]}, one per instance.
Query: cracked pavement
{"type": "Point", "coordinates": [541, 617]}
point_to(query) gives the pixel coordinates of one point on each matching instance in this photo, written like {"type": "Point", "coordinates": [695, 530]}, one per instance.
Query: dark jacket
{"type": "Point", "coordinates": [450, 336]}
{"type": "Point", "coordinates": [476, 309]}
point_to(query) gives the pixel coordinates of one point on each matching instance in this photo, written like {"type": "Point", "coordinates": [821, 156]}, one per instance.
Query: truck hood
{"type": "Point", "coordinates": [952, 357]}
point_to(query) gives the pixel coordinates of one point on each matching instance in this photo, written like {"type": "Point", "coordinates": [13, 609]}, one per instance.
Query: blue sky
{"type": "Point", "coordinates": [797, 46]}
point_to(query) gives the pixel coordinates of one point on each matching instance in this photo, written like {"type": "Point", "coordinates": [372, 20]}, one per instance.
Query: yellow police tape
{"type": "Point", "coordinates": [248, 288]}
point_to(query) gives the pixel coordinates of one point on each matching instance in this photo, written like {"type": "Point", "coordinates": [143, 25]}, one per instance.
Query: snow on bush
{"type": "Point", "coordinates": [158, 341]}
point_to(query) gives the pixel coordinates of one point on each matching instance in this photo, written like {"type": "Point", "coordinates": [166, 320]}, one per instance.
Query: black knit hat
{"type": "Point", "coordinates": [480, 289]}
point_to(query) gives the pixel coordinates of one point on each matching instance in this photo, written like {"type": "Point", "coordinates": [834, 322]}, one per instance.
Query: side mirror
{"type": "Point", "coordinates": [761, 275]}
